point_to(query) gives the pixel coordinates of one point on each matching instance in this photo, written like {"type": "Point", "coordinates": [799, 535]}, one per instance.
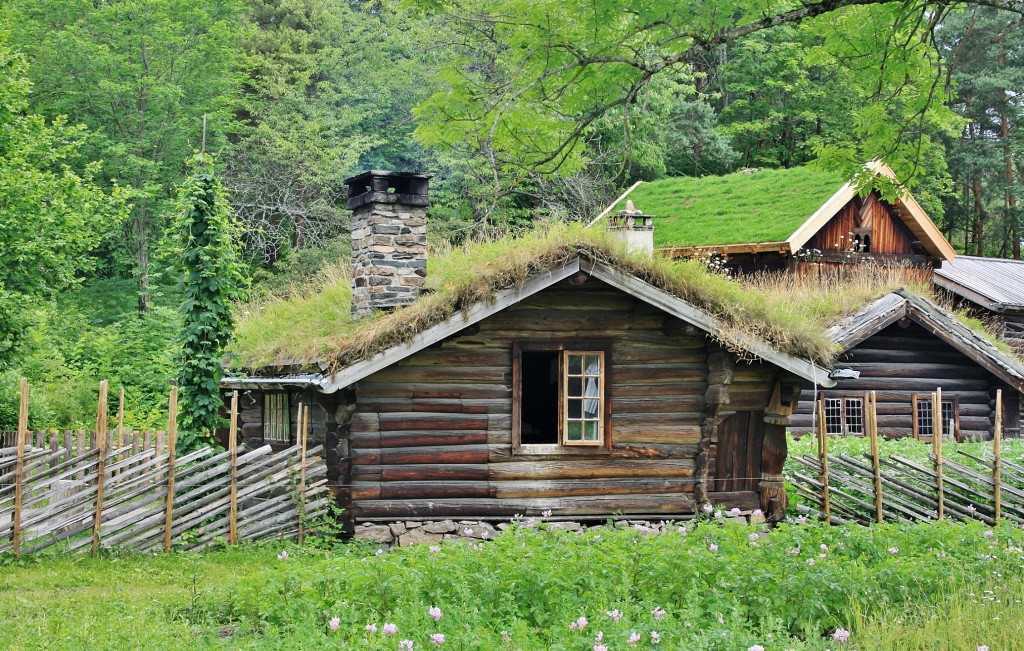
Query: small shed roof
{"type": "Point", "coordinates": [894, 306]}
{"type": "Point", "coordinates": [993, 283]}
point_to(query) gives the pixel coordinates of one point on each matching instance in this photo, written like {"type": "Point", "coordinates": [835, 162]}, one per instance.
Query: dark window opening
{"type": "Point", "coordinates": [539, 417]}
{"type": "Point", "coordinates": [867, 244]}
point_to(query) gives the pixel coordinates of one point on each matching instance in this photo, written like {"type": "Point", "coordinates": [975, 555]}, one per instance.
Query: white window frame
{"type": "Point", "coordinates": [277, 417]}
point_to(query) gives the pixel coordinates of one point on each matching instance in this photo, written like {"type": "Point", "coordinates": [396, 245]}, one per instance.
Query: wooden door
{"type": "Point", "coordinates": [738, 453]}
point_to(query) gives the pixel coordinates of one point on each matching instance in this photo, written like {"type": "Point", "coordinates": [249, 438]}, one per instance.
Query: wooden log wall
{"type": "Point", "coordinates": [889, 235]}
{"type": "Point", "coordinates": [431, 436]}
{"type": "Point", "coordinates": [903, 360]}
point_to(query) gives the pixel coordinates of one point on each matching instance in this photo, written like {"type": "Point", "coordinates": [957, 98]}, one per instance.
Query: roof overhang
{"type": "Point", "coordinates": [676, 252]}
{"type": "Point", "coordinates": [916, 219]}
{"type": "Point", "coordinates": [903, 303]}
{"type": "Point", "coordinates": [309, 381]}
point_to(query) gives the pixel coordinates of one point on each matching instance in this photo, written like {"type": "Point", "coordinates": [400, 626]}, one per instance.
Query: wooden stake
{"type": "Point", "coordinates": [870, 399]}
{"type": "Point", "coordinates": [233, 447]}
{"type": "Point", "coordinates": [19, 469]}
{"type": "Point", "coordinates": [101, 437]}
{"type": "Point", "coordinates": [937, 449]}
{"type": "Point", "coordinates": [172, 431]}
{"type": "Point", "coordinates": [997, 466]}
{"type": "Point", "coordinates": [120, 419]}
{"type": "Point", "coordinates": [826, 501]}
{"type": "Point", "coordinates": [304, 419]}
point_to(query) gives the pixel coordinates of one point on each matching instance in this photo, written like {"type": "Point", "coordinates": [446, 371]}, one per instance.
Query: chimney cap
{"type": "Point", "coordinates": [386, 186]}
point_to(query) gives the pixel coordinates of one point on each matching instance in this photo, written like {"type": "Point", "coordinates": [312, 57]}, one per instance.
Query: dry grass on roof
{"type": "Point", "coordinates": [313, 323]}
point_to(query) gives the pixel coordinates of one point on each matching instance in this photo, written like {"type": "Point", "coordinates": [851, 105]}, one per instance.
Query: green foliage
{"type": "Point", "coordinates": [759, 587]}
{"type": "Point", "coordinates": [50, 216]}
{"type": "Point", "coordinates": [206, 250]}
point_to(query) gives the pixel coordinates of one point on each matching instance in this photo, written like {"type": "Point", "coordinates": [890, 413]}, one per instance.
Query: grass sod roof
{"type": "Point", "coordinates": [313, 323]}
{"type": "Point", "coordinates": [765, 206]}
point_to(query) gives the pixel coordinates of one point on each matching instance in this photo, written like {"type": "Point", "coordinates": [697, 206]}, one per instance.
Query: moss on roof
{"type": "Point", "coordinates": [764, 206]}
{"type": "Point", "coordinates": [313, 323]}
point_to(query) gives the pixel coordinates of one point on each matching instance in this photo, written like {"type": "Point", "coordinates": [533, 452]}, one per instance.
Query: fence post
{"type": "Point", "coordinates": [876, 466]}
{"type": "Point", "coordinates": [172, 431]}
{"type": "Point", "coordinates": [997, 466]}
{"type": "Point", "coordinates": [120, 422]}
{"type": "Point", "coordinates": [937, 448]}
{"type": "Point", "coordinates": [19, 470]}
{"type": "Point", "coordinates": [101, 468]}
{"type": "Point", "coordinates": [826, 501]}
{"type": "Point", "coordinates": [233, 447]}
{"type": "Point", "coordinates": [303, 437]}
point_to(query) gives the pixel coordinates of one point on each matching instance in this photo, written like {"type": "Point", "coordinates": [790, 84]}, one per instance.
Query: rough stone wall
{"type": "Point", "coordinates": [389, 255]}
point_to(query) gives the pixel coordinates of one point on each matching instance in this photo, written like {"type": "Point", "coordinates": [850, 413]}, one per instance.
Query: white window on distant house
{"type": "Point", "coordinates": [924, 417]}
{"type": "Point", "coordinates": [844, 416]}
{"type": "Point", "coordinates": [276, 417]}
{"type": "Point", "coordinates": [558, 397]}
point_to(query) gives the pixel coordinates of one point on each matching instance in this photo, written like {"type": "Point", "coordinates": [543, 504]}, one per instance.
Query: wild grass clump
{"type": "Point", "coordinates": [314, 323]}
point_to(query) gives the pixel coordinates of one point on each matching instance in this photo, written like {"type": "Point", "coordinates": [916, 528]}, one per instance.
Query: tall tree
{"type": "Point", "coordinates": [140, 74]}
{"type": "Point", "coordinates": [50, 216]}
{"type": "Point", "coordinates": [985, 53]}
{"type": "Point", "coordinates": [557, 67]}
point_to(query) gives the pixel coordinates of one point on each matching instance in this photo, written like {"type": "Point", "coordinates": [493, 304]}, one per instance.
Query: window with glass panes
{"type": "Point", "coordinates": [924, 417]}
{"type": "Point", "coordinates": [582, 398]}
{"type": "Point", "coordinates": [844, 416]}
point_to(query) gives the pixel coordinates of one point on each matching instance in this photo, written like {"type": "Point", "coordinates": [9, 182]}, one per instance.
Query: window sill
{"type": "Point", "coordinates": [553, 449]}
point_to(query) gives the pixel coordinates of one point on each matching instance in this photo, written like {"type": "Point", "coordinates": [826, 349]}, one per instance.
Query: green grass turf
{"type": "Point", "coordinates": [766, 206]}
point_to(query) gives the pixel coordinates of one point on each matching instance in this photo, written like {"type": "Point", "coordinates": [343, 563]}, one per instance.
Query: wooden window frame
{"type": "Point", "coordinates": [844, 407]}
{"type": "Point", "coordinates": [952, 398]}
{"type": "Point", "coordinates": [565, 347]}
{"type": "Point", "coordinates": [287, 411]}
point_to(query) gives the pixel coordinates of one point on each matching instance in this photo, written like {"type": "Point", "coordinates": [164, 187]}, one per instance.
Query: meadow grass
{"type": "Point", "coordinates": [721, 586]}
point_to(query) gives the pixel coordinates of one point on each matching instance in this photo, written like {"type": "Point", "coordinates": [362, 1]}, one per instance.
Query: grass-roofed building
{"type": "Point", "coordinates": [778, 220]}
{"type": "Point", "coordinates": [556, 372]}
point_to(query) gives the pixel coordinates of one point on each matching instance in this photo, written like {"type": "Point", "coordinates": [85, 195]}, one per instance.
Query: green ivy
{"type": "Point", "coordinates": [206, 238]}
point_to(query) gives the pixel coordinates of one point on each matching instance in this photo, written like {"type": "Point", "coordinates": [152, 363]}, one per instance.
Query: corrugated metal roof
{"type": "Point", "coordinates": [994, 283]}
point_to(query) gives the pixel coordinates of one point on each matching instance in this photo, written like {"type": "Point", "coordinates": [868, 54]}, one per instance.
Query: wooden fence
{"type": "Point", "coordinates": [121, 492]}
{"type": "Point", "coordinates": [874, 488]}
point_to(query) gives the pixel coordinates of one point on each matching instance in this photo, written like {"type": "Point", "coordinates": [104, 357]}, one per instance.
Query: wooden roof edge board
{"type": "Point", "coordinates": [867, 321]}
{"type": "Point", "coordinates": [316, 381]}
{"type": "Point", "coordinates": [477, 312]}
{"type": "Point", "coordinates": [724, 249]}
{"type": "Point", "coordinates": [932, 239]}
{"type": "Point", "coordinates": [691, 314]}
{"type": "Point", "coordinates": [945, 326]}
{"type": "Point", "coordinates": [612, 205]}
{"type": "Point", "coordinates": [968, 293]}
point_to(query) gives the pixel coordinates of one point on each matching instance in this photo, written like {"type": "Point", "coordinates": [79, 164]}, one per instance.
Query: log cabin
{"type": "Point", "coordinates": [555, 375]}
{"type": "Point", "coordinates": [904, 347]}
{"type": "Point", "coordinates": [797, 220]}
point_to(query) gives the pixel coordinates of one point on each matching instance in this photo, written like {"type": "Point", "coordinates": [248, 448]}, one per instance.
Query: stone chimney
{"type": "Point", "coordinates": [634, 228]}
{"type": "Point", "coordinates": [389, 238]}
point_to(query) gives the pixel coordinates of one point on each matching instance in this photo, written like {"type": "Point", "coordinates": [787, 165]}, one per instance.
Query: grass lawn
{"type": "Point", "coordinates": [722, 586]}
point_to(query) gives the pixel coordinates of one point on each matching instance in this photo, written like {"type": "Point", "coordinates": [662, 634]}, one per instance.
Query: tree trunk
{"type": "Point", "coordinates": [1011, 198]}
{"type": "Point", "coordinates": [141, 228]}
{"type": "Point", "coordinates": [979, 223]}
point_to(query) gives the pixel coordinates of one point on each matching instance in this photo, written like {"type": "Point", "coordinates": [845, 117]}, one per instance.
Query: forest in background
{"type": "Point", "coordinates": [525, 111]}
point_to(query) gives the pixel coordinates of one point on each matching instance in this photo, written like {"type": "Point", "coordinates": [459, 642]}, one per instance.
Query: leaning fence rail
{"type": "Point", "coordinates": [875, 488]}
{"type": "Point", "coordinates": [119, 491]}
